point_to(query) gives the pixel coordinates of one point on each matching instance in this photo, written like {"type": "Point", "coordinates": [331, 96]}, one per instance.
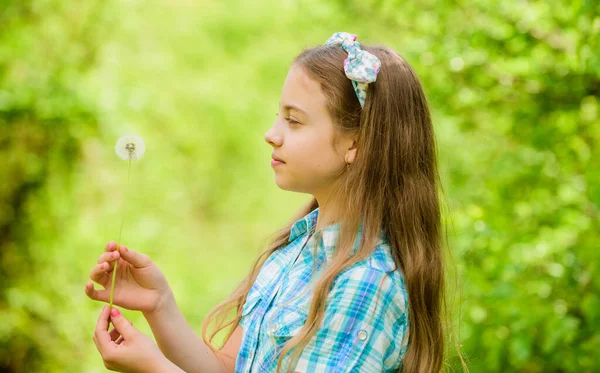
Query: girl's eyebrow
{"type": "Point", "coordinates": [288, 107]}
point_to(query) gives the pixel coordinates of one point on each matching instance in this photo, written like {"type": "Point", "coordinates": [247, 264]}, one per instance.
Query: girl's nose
{"type": "Point", "coordinates": [272, 138]}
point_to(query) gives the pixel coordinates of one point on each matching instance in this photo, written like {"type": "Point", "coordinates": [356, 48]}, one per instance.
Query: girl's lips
{"type": "Point", "coordinates": [276, 163]}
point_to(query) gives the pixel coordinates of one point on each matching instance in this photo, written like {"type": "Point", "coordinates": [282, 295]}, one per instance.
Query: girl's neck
{"type": "Point", "coordinates": [323, 222]}
{"type": "Point", "coordinates": [328, 213]}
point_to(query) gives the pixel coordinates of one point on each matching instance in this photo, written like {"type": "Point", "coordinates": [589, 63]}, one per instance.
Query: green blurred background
{"type": "Point", "coordinates": [513, 87]}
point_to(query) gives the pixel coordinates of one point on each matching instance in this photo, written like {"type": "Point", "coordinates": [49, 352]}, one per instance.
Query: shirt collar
{"type": "Point", "coordinates": [382, 258]}
{"type": "Point", "coordinates": [306, 224]}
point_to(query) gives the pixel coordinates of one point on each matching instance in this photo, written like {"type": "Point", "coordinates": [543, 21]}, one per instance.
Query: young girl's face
{"type": "Point", "coordinates": [303, 138]}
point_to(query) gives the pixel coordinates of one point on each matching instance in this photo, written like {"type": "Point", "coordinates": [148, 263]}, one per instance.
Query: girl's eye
{"type": "Point", "coordinates": [289, 120]}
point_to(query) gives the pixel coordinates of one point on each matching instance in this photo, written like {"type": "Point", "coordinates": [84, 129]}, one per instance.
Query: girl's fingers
{"type": "Point", "coordinates": [106, 262]}
{"type": "Point", "coordinates": [101, 333]}
{"type": "Point", "coordinates": [120, 338]}
{"type": "Point", "coordinates": [100, 273]}
{"type": "Point", "coordinates": [110, 246]}
{"type": "Point", "coordinates": [114, 335]}
{"type": "Point", "coordinates": [101, 295]}
{"type": "Point", "coordinates": [109, 257]}
{"type": "Point", "coordinates": [108, 266]}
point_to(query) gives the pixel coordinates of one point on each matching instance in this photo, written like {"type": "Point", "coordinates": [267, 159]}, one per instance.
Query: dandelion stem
{"type": "Point", "coordinates": [114, 274]}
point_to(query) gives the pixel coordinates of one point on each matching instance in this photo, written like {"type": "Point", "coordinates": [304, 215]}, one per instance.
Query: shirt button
{"type": "Point", "coordinates": [273, 329]}
{"type": "Point", "coordinates": [362, 335]}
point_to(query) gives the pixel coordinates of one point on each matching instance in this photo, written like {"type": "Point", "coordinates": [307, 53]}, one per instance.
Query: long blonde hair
{"type": "Point", "coordinates": [391, 185]}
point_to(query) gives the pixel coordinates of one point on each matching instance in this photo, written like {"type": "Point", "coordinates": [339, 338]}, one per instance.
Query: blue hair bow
{"type": "Point", "coordinates": [361, 67]}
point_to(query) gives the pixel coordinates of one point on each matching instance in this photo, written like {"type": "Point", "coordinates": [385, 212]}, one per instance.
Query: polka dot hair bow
{"type": "Point", "coordinates": [361, 67]}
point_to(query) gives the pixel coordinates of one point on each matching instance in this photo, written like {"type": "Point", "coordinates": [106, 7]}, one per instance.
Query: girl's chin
{"type": "Point", "coordinates": [289, 188]}
{"type": "Point", "coordinates": [282, 183]}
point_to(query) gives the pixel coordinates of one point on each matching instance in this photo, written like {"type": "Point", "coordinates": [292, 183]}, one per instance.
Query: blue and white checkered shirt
{"type": "Point", "coordinates": [365, 325]}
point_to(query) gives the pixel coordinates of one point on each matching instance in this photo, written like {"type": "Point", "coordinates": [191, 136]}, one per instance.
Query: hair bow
{"type": "Point", "coordinates": [361, 67]}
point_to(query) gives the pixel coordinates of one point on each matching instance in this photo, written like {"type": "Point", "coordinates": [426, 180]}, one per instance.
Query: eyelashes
{"type": "Point", "coordinates": [289, 120]}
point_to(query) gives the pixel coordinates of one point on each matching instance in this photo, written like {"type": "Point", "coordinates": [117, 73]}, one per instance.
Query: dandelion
{"type": "Point", "coordinates": [128, 148]}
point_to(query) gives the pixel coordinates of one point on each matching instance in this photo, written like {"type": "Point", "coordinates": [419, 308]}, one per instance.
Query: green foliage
{"type": "Point", "coordinates": [514, 88]}
{"type": "Point", "coordinates": [42, 122]}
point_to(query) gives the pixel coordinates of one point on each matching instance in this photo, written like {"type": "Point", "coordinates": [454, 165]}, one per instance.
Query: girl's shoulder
{"type": "Point", "coordinates": [382, 258]}
{"type": "Point", "coordinates": [379, 265]}
{"type": "Point", "coordinates": [381, 268]}
{"type": "Point", "coordinates": [376, 281]}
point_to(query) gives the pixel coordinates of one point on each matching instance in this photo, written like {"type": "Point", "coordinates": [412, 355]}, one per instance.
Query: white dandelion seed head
{"type": "Point", "coordinates": [130, 147]}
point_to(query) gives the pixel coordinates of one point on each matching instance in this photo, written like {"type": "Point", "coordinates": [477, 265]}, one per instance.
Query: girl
{"type": "Point", "coordinates": [355, 282]}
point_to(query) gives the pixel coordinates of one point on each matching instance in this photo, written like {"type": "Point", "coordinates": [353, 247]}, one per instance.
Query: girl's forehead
{"type": "Point", "coordinates": [300, 90]}
{"type": "Point", "coordinates": [299, 79]}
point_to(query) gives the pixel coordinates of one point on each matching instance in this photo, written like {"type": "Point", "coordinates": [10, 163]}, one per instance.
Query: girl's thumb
{"type": "Point", "coordinates": [136, 259]}
{"type": "Point", "coordinates": [121, 324]}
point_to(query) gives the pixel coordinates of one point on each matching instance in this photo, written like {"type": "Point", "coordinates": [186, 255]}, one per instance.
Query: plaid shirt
{"type": "Point", "coordinates": [365, 325]}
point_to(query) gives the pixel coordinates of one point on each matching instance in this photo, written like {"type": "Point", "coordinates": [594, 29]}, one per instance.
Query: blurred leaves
{"type": "Point", "coordinates": [41, 115]}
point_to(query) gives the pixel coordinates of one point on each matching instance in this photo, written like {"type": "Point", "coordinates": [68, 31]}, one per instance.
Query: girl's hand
{"type": "Point", "coordinates": [125, 349]}
{"type": "Point", "coordinates": [139, 284]}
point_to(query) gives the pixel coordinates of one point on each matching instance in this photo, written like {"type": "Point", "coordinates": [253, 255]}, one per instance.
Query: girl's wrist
{"type": "Point", "coordinates": [164, 306]}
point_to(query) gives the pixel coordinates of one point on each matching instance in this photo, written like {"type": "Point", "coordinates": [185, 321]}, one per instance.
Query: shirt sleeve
{"type": "Point", "coordinates": [364, 328]}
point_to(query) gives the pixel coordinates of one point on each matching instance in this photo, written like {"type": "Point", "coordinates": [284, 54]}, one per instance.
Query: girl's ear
{"type": "Point", "coordinates": [351, 153]}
